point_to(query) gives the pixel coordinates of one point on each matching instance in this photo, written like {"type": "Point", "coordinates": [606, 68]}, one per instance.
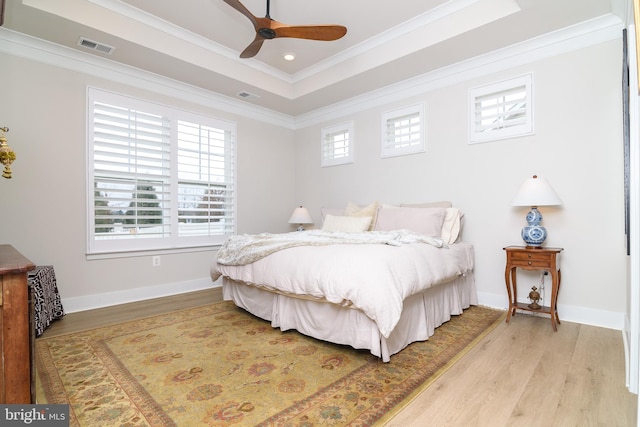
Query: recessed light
{"type": "Point", "coordinates": [289, 56]}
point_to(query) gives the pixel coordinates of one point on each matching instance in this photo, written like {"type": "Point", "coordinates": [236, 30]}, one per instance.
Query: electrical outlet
{"type": "Point", "coordinates": [155, 260]}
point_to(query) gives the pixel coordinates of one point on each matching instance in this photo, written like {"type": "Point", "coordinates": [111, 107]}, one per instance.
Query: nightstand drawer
{"type": "Point", "coordinates": [528, 259]}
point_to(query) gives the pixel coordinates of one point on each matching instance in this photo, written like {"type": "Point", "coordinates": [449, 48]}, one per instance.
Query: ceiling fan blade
{"type": "Point", "coordinates": [312, 32]}
{"type": "Point", "coordinates": [243, 10]}
{"type": "Point", "coordinates": [253, 49]}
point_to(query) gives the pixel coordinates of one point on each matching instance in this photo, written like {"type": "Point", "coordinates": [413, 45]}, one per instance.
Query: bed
{"type": "Point", "coordinates": [377, 277]}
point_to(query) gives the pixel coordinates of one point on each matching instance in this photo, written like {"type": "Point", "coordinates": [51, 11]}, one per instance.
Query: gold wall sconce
{"type": "Point", "coordinates": [7, 155]}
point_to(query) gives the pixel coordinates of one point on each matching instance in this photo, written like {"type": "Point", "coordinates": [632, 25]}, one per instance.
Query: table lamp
{"type": "Point", "coordinates": [300, 216]}
{"type": "Point", "coordinates": [535, 192]}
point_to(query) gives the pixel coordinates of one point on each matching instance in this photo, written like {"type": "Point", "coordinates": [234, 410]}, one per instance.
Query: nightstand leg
{"type": "Point", "coordinates": [508, 283]}
{"type": "Point", "coordinates": [557, 292]}
{"type": "Point", "coordinates": [510, 280]}
{"type": "Point", "coordinates": [555, 286]}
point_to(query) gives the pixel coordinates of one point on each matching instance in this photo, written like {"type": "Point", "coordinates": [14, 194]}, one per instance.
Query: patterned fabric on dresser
{"type": "Point", "coordinates": [47, 306]}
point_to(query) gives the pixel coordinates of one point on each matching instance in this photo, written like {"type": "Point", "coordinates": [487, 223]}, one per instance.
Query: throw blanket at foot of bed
{"type": "Point", "coordinates": [374, 271]}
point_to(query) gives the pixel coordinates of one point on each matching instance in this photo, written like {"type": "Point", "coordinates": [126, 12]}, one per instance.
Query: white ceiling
{"type": "Point", "coordinates": [198, 41]}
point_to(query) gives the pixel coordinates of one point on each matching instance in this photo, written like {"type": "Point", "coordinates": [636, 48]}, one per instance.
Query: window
{"type": "Point", "coordinates": [159, 177]}
{"type": "Point", "coordinates": [501, 110]}
{"type": "Point", "coordinates": [403, 131]}
{"type": "Point", "coordinates": [337, 145]}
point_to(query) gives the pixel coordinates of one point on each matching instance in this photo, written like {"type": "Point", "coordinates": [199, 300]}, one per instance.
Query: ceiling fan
{"type": "Point", "coordinates": [267, 29]}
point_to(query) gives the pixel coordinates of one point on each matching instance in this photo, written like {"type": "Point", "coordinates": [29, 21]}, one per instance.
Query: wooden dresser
{"type": "Point", "coordinates": [16, 339]}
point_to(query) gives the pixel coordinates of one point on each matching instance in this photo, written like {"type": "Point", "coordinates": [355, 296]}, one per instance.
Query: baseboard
{"type": "Point", "coordinates": [569, 313]}
{"type": "Point", "coordinates": [108, 299]}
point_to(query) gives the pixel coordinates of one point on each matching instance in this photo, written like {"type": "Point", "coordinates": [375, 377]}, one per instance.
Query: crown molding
{"type": "Point", "coordinates": [38, 50]}
{"type": "Point", "coordinates": [592, 32]}
{"type": "Point", "coordinates": [420, 21]}
{"type": "Point", "coordinates": [589, 33]}
{"type": "Point", "coordinates": [432, 15]}
{"type": "Point", "coordinates": [149, 20]}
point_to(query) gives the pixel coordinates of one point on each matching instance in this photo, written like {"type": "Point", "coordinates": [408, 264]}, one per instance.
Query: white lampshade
{"type": "Point", "coordinates": [300, 216]}
{"type": "Point", "coordinates": [536, 191]}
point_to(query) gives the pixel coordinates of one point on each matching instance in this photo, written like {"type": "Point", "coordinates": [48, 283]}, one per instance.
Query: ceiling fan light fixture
{"type": "Point", "coordinates": [289, 56]}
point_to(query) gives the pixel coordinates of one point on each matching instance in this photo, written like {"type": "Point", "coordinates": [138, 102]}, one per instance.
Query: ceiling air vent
{"type": "Point", "coordinates": [247, 95]}
{"type": "Point", "coordinates": [93, 45]}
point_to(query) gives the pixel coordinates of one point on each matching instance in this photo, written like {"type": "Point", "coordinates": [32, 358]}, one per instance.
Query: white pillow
{"type": "Point", "coordinates": [346, 224]}
{"type": "Point", "coordinates": [425, 221]}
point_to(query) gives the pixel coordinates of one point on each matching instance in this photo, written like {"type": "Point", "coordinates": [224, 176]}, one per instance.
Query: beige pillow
{"type": "Point", "coordinates": [451, 225]}
{"type": "Point", "coordinates": [370, 210]}
{"type": "Point", "coordinates": [346, 224]}
{"type": "Point", "coordinates": [425, 221]}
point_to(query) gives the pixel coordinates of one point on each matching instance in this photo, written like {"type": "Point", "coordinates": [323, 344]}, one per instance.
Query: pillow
{"type": "Point", "coordinates": [426, 221]}
{"type": "Point", "coordinates": [442, 204]}
{"type": "Point", "coordinates": [331, 211]}
{"type": "Point", "coordinates": [346, 224]}
{"type": "Point", "coordinates": [451, 225]}
{"type": "Point", "coordinates": [371, 211]}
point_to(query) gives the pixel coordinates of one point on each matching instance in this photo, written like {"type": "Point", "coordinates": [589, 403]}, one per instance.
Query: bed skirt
{"type": "Point", "coordinates": [422, 314]}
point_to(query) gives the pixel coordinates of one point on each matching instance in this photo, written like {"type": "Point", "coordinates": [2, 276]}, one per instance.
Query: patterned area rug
{"type": "Point", "coordinates": [219, 366]}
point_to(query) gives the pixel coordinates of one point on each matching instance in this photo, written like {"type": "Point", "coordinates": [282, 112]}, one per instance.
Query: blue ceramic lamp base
{"type": "Point", "coordinates": [533, 233]}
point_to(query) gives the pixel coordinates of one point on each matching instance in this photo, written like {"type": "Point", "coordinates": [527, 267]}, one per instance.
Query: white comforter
{"type": "Point", "coordinates": [373, 277]}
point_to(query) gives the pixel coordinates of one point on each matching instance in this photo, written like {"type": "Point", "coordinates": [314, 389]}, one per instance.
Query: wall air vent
{"type": "Point", "coordinates": [246, 95]}
{"type": "Point", "coordinates": [93, 45]}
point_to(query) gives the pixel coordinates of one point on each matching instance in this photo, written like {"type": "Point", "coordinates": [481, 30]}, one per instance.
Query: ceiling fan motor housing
{"type": "Point", "coordinates": [267, 33]}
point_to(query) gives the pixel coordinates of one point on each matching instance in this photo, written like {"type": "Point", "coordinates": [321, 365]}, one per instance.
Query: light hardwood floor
{"type": "Point", "coordinates": [520, 374]}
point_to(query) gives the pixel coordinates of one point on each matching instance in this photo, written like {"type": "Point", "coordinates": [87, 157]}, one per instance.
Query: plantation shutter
{"type": "Point", "coordinates": [161, 178]}
{"type": "Point", "coordinates": [337, 145]}
{"type": "Point", "coordinates": [403, 131]}
{"type": "Point", "coordinates": [501, 110]}
{"type": "Point", "coordinates": [205, 180]}
{"type": "Point", "coordinates": [131, 173]}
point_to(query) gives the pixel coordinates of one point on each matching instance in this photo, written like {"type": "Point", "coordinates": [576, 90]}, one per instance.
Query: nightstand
{"type": "Point", "coordinates": [532, 258]}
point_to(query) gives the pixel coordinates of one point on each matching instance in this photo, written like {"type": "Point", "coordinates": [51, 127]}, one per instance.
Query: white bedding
{"type": "Point", "coordinates": [335, 273]}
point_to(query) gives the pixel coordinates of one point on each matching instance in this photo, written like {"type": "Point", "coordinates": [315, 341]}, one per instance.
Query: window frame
{"type": "Point", "coordinates": [399, 114]}
{"type": "Point", "coordinates": [342, 128]}
{"type": "Point", "coordinates": [173, 240]}
{"type": "Point", "coordinates": [496, 90]}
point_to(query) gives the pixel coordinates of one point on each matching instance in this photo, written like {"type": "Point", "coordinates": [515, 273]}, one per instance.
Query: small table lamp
{"type": "Point", "coordinates": [535, 192]}
{"type": "Point", "coordinates": [300, 216]}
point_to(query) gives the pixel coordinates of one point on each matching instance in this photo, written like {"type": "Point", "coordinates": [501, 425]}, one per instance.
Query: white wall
{"type": "Point", "coordinates": [577, 146]}
{"type": "Point", "coordinates": [44, 209]}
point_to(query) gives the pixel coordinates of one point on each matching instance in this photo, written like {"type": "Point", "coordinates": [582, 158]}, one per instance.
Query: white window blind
{"type": "Point", "coordinates": [159, 177]}
{"type": "Point", "coordinates": [337, 145]}
{"type": "Point", "coordinates": [501, 110]}
{"type": "Point", "coordinates": [403, 131]}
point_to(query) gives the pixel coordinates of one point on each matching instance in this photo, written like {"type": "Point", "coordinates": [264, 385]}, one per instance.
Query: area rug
{"type": "Point", "coordinates": [217, 365]}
